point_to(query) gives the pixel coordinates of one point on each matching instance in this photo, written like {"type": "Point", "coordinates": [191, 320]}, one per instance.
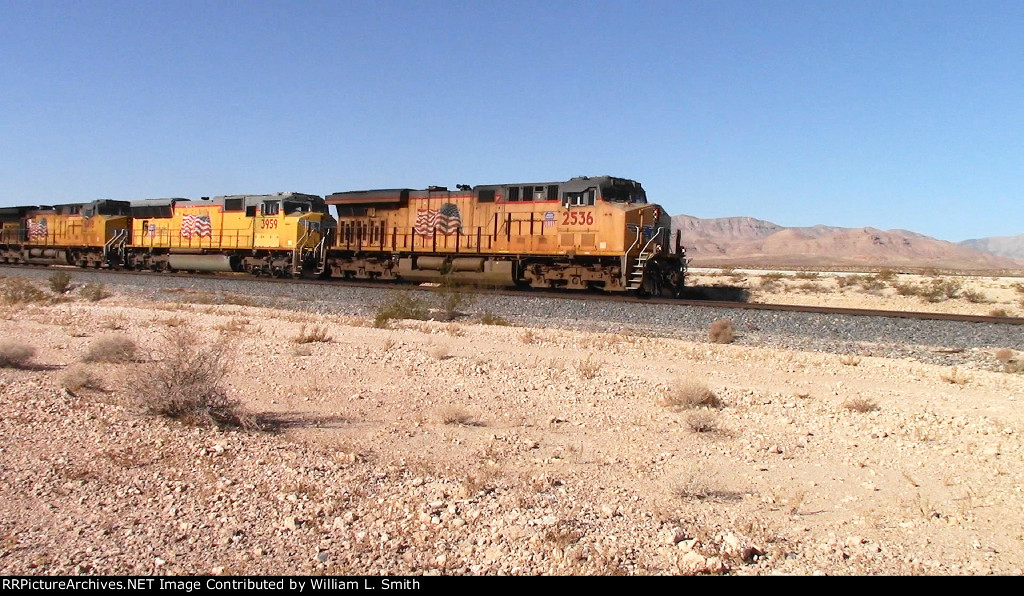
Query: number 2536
{"type": "Point", "coordinates": [577, 218]}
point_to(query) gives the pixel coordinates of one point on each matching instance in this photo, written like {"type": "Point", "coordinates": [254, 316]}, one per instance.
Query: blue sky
{"type": "Point", "coordinates": [893, 114]}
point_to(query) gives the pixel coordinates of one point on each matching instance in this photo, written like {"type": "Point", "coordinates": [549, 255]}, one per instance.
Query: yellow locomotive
{"type": "Point", "coordinates": [262, 234]}
{"type": "Point", "coordinates": [587, 232]}
{"type": "Point", "coordinates": [83, 234]}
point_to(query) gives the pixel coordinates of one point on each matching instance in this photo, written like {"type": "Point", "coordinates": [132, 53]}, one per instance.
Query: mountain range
{"type": "Point", "coordinates": [742, 241]}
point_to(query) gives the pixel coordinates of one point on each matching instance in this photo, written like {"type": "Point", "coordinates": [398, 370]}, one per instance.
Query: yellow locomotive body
{"type": "Point", "coordinates": [84, 234]}
{"type": "Point", "coordinates": [587, 232]}
{"type": "Point", "coordinates": [263, 234]}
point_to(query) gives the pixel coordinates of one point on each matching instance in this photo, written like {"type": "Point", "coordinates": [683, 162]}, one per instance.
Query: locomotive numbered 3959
{"type": "Point", "coordinates": [587, 232]}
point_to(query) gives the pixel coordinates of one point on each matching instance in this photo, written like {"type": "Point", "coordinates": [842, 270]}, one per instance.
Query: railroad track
{"type": "Point", "coordinates": [575, 295]}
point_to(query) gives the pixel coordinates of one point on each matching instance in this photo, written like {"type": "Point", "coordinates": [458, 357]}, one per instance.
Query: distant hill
{"type": "Point", "coordinates": [1004, 246]}
{"type": "Point", "coordinates": [755, 242]}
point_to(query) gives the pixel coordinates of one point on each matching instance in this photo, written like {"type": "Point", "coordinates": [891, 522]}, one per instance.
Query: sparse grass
{"type": "Point", "coordinates": [202, 297]}
{"type": "Point", "coordinates": [402, 306]}
{"type": "Point", "coordinates": [16, 290]}
{"type": "Point", "coordinates": [690, 394]}
{"type": "Point", "coordinates": [110, 348]}
{"type": "Point", "coordinates": [453, 297]}
{"type": "Point", "coordinates": [186, 384]}
{"type": "Point", "coordinates": [954, 376]}
{"type": "Point", "coordinates": [860, 404]}
{"type": "Point", "coordinates": [489, 318]}
{"type": "Point", "coordinates": [885, 275]}
{"type": "Point", "coordinates": [388, 343]}
{"type": "Point", "coordinates": [316, 334]}
{"type": "Point", "coordinates": [588, 368]}
{"type": "Point", "coordinates": [721, 332]}
{"type": "Point", "coordinates": [60, 282]}
{"type": "Point", "coordinates": [703, 421]}
{"type": "Point", "coordinates": [849, 360]}
{"type": "Point", "coordinates": [94, 292]}
{"type": "Point", "coordinates": [78, 377]}
{"type": "Point", "coordinates": [528, 336]}
{"type": "Point", "coordinates": [14, 354]}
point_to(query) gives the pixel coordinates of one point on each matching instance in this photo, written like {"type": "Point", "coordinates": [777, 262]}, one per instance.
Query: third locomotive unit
{"type": "Point", "coordinates": [587, 232]}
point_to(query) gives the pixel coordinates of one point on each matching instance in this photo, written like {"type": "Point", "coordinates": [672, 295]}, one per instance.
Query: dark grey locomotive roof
{"type": "Point", "coordinates": [396, 195]}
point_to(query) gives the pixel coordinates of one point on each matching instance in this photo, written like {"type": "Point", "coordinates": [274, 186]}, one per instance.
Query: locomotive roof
{"type": "Point", "coordinates": [395, 195]}
{"type": "Point", "coordinates": [256, 199]}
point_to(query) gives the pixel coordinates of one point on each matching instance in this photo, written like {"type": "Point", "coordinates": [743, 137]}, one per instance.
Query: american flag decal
{"type": "Point", "coordinates": [196, 225]}
{"type": "Point", "coordinates": [36, 229]}
{"type": "Point", "coordinates": [445, 220]}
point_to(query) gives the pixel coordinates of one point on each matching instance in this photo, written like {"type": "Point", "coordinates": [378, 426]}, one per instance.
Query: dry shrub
{"type": "Point", "coordinates": [703, 421]}
{"type": "Point", "coordinates": [690, 394]}
{"type": "Point", "coordinates": [860, 404]}
{"type": "Point", "coordinates": [998, 312]}
{"type": "Point", "coordinates": [79, 377]}
{"type": "Point", "coordinates": [489, 318]}
{"type": "Point", "coordinates": [457, 416]}
{"type": "Point", "coordinates": [849, 360]}
{"type": "Point", "coordinates": [186, 384]}
{"type": "Point", "coordinates": [316, 334]}
{"type": "Point", "coordinates": [94, 292]}
{"type": "Point", "coordinates": [954, 376]}
{"type": "Point", "coordinates": [975, 297]}
{"type": "Point", "coordinates": [14, 354]}
{"type": "Point", "coordinates": [528, 336]}
{"type": "Point", "coordinates": [721, 332]}
{"type": "Point", "coordinates": [588, 368]}
{"type": "Point", "coordinates": [440, 353]}
{"type": "Point", "coordinates": [60, 282]}
{"type": "Point", "coordinates": [402, 306]}
{"type": "Point", "coordinates": [111, 348]}
{"type": "Point", "coordinates": [16, 290]}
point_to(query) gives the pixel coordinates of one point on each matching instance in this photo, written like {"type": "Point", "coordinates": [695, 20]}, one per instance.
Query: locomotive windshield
{"type": "Point", "coordinates": [624, 191]}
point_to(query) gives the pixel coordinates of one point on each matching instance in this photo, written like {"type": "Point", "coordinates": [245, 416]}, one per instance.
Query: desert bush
{"type": "Point", "coordinates": [807, 275]}
{"type": "Point", "coordinates": [14, 354]}
{"type": "Point", "coordinates": [998, 312]}
{"type": "Point", "coordinates": [401, 306]}
{"type": "Point", "coordinates": [860, 404]}
{"type": "Point", "coordinates": [588, 368]}
{"type": "Point", "coordinates": [690, 394]}
{"type": "Point", "coordinates": [954, 376]}
{"type": "Point", "coordinates": [703, 421]}
{"type": "Point", "coordinates": [721, 332]}
{"type": "Point", "coordinates": [78, 377]}
{"type": "Point", "coordinates": [975, 297]}
{"type": "Point", "coordinates": [60, 282]}
{"type": "Point", "coordinates": [849, 360]}
{"type": "Point", "coordinates": [942, 289]}
{"type": "Point", "coordinates": [440, 353]}
{"type": "Point", "coordinates": [110, 348]}
{"type": "Point", "coordinates": [908, 289]}
{"type": "Point", "coordinates": [885, 275]}
{"type": "Point", "coordinates": [457, 416]}
{"type": "Point", "coordinates": [528, 336]}
{"type": "Point", "coordinates": [16, 290]}
{"type": "Point", "coordinates": [845, 281]}
{"type": "Point", "coordinates": [186, 384]}
{"type": "Point", "coordinates": [94, 292]}
{"type": "Point", "coordinates": [453, 297]}
{"type": "Point", "coordinates": [316, 334]}
{"type": "Point", "coordinates": [489, 318]}
{"type": "Point", "coordinates": [1009, 360]}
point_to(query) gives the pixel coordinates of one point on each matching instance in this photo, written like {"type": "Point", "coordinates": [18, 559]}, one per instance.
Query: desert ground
{"type": "Point", "coordinates": [430, 447]}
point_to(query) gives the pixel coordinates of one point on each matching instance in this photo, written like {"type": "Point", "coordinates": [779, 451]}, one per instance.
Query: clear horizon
{"type": "Point", "coordinates": [892, 115]}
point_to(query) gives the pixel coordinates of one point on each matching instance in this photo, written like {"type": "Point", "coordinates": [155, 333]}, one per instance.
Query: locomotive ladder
{"type": "Point", "coordinates": [636, 276]}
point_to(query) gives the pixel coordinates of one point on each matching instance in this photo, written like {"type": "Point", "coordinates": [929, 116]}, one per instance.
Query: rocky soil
{"type": "Point", "coordinates": [462, 448]}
